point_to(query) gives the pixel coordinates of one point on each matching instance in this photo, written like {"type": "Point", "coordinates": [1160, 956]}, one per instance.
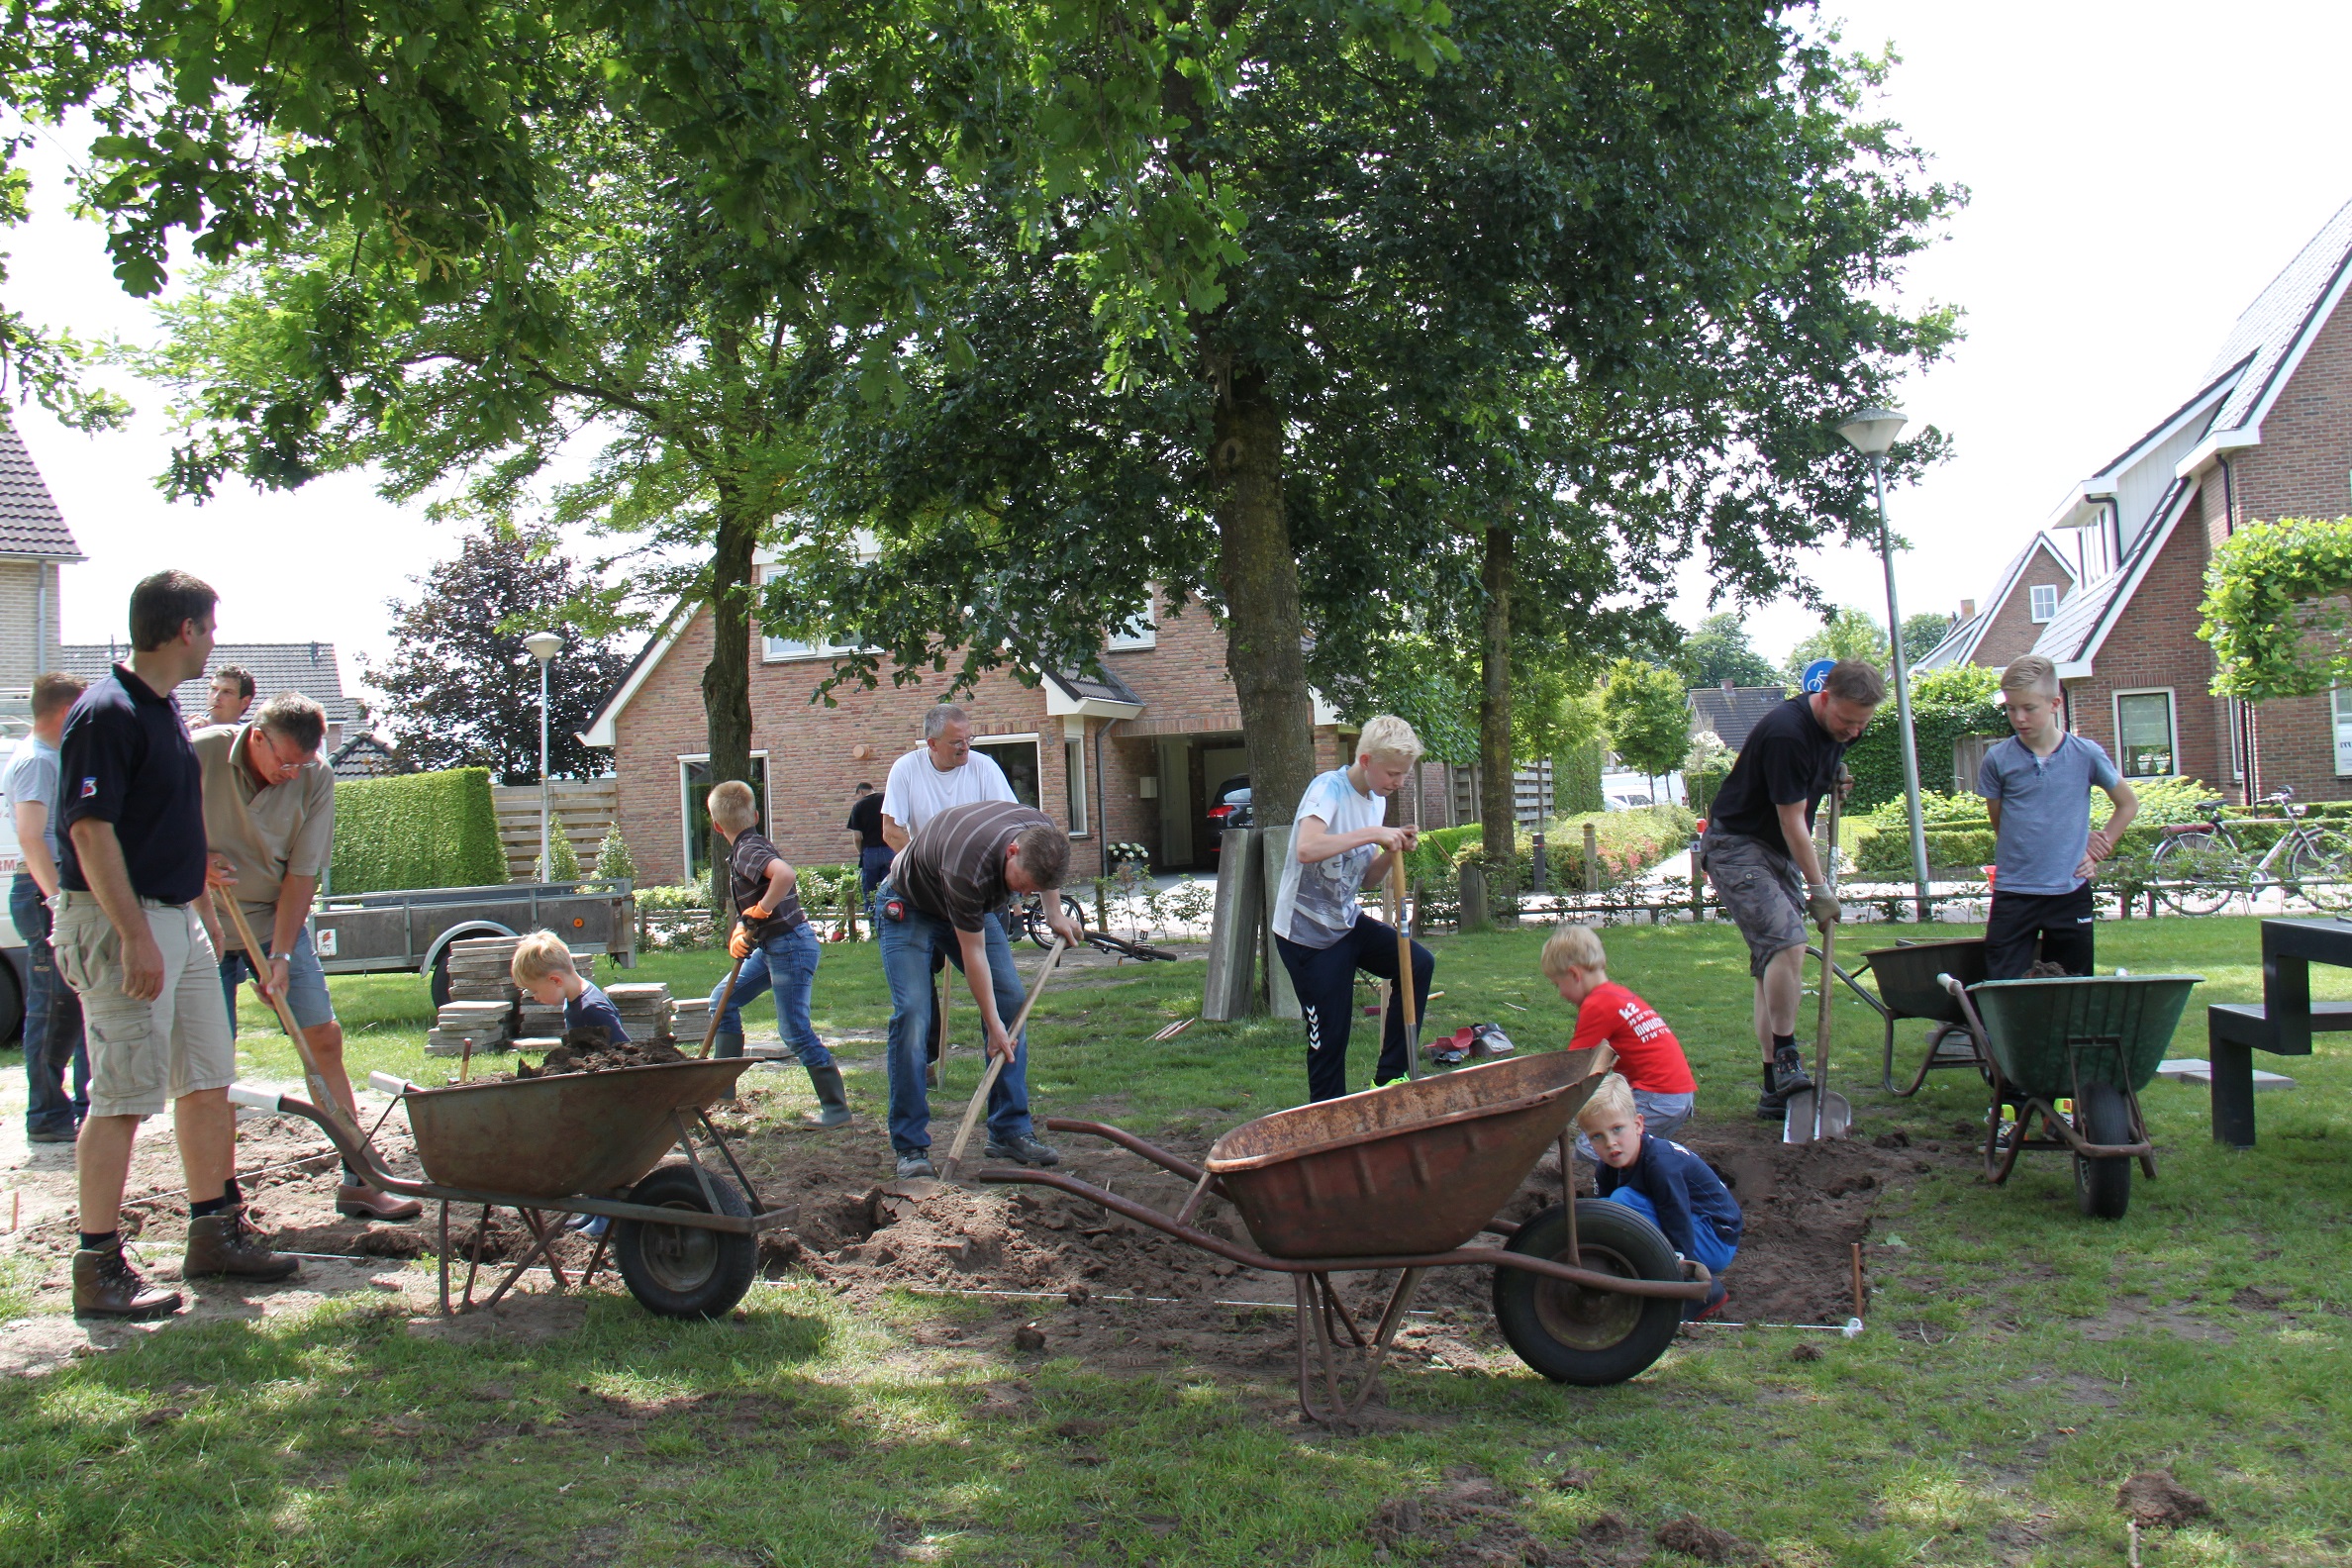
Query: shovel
{"type": "Point", "coordinates": [1816, 1114]}
{"type": "Point", "coordinates": [918, 1188]}
{"type": "Point", "coordinates": [1401, 987]}
{"type": "Point", "coordinates": [225, 900]}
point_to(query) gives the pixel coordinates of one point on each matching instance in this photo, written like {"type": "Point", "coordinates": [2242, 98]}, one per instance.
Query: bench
{"type": "Point", "coordinates": [2281, 1023]}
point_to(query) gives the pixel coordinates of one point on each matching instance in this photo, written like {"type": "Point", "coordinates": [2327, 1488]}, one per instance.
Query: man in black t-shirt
{"type": "Point", "coordinates": [1758, 852]}
{"type": "Point", "coordinates": [873, 855]}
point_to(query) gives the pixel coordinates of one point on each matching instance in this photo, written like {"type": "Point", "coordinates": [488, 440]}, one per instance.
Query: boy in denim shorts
{"type": "Point", "coordinates": [1758, 853]}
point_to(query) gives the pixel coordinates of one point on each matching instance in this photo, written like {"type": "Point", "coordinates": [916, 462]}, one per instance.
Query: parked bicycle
{"type": "Point", "coordinates": [1030, 912]}
{"type": "Point", "coordinates": [2201, 866]}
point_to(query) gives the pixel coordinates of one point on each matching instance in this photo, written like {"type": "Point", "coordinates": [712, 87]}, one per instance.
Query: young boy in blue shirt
{"type": "Point", "coordinates": [543, 971]}
{"type": "Point", "coordinates": [2037, 787]}
{"type": "Point", "coordinates": [1664, 1183]}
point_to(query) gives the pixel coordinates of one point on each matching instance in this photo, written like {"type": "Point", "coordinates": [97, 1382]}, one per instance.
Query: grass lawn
{"type": "Point", "coordinates": [2021, 1361]}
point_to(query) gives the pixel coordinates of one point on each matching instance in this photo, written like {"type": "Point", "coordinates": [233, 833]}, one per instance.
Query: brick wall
{"type": "Point", "coordinates": [2012, 629]}
{"type": "Point", "coordinates": [28, 602]}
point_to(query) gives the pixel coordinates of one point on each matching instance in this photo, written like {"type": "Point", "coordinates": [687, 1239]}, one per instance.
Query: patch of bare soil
{"type": "Point", "coordinates": [2153, 1500]}
{"type": "Point", "coordinates": [1471, 1521]}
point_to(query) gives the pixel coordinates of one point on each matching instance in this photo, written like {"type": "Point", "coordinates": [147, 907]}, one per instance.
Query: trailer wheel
{"type": "Point", "coordinates": [1590, 1337]}
{"type": "Point", "coordinates": [2102, 1187]}
{"type": "Point", "coordinates": [12, 1003]}
{"type": "Point", "coordinates": [439, 981]}
{"type": "Point", "coordinates": [682, 1271]}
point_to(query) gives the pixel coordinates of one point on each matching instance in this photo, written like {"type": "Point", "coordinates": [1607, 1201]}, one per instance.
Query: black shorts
{"type": "Point", "coordinates": [2054, 927]}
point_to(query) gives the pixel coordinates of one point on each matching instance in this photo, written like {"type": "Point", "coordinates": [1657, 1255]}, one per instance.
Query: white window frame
{"type": "Point", "coordinates": [2033, 603]}
{"type": "Point", "coordinates": [1075, 781]}
{"type": "Point", "coordinates": [2340, 709]}
{"type": "Point", "coordinates": [686, 803]}
{"type": "Point", "coordinates": [1140, 633]}
{"type": "Point", "coordinates": [787, 650]}
{"type": "Point", "coordinates": [1032, 738]}
{"type": "Point", "coordinates": [2171, 709]}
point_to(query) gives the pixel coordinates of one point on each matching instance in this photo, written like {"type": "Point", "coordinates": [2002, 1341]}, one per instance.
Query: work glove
{"type": "Point", "coordinates": [1822, 906]}
{"type": "Point", "coordinates": [738, 942]}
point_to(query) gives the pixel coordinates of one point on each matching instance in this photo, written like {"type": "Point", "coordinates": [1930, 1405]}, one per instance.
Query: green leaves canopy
{"type": "Point", "coordinates": [2276, 608]}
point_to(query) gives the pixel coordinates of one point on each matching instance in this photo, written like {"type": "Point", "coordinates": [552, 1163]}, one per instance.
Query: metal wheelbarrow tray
{"type": "Point", "coordinates": [1909, 978]}
{"type": "Point", "coordinates": [685, 1240]}
{"type": "Point", "coordinates": [1401, 1178]}
{"type": "Point", "coordinates": [2093, 1040]}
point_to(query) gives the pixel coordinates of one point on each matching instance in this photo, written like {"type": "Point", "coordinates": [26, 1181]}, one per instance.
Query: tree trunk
{"type": "Point", "coordinates": [727, 680]}
{"type": "Point", "coordinates": [1261, 591]}
{"type": "Point", "coordinates": [1498, 805]}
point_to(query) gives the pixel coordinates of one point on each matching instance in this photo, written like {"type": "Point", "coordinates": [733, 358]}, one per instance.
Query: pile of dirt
{"type": "Point", "coordinates": [1470, 1520]}
{"type": "Point", "coordinates": [592, 1050]}
{"type": "Point", "coordinates": [2153, 1500]}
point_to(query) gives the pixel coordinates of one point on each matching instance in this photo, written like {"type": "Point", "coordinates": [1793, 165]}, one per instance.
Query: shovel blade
{"type": "Point", "coordinates": [1797, 1124]}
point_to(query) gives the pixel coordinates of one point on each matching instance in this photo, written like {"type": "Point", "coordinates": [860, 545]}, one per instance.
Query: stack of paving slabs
{"type": "Point", "coordinates": [689, 1016]}
{"type": "Point", "coordinates": [537, 1023]}
{"type": "Point", "coordinates": [480, 1026]}
{"type": "Point", "coordinates": [646, 1009]}
{"type": "Point", "coordinates": [482, 970]}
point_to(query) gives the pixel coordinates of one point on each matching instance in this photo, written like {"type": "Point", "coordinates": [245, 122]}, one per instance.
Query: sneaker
{"type": "Point", "coordinates": [1784, 1077]}
{"type": "Point", "coordinates": [227, 1244]}
{"type": "Point", "coordinates": [1024, 1150]}
{"type": "Point", "coordinates": [1391, 1083]}
{"type": "Point", "coordinates": [49, 1135]}
{"type": "Point", "coordinates": [1700, 1311]}
{"type": "Point", "coordinates": [105, 1285]}
{"type": "Point", "coordinates": [916, 1167]}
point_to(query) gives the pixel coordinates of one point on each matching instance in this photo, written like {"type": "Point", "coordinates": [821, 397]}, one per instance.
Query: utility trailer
{"type": "Point", "coordinates": [411, 931]}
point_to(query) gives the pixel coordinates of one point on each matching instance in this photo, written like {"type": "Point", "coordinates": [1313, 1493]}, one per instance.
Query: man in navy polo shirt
{"type": "Point", "coordinates": [131, 941]}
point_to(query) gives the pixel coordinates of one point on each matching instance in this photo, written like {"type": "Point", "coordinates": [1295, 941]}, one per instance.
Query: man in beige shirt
{"type": "Point", "coordinates": [269, 809]}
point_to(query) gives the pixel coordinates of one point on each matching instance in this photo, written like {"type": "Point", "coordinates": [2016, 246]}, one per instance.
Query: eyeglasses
{"type": "Point", "coordinates": [279, 763]}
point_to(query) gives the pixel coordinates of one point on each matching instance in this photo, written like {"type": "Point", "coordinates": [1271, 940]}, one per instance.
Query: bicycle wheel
{"type": "Point", "coordinates": [2198, 872]}
{"type": "Point", "coordinates": [2323, 868]}
{"type": "Point", "coordinates": [1033, 923]}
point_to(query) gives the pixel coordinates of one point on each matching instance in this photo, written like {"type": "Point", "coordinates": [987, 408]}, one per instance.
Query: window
{"type": "Point", "coordinates": [1017, 757]}
{"type": "Point", "coordinates": [2343, 731]}
{"type": "Point", "coordinates": [694, 788]}
{"type": "Point", "coordinates": [775, 649]}
{"type": "Point", "coordinates": [2045, 598]}
{"type": "Point", "coordinates": [1074, 783]}
{"type": "Point", "coordinates": [2144, 734]}
{"type": "Point", "coordinates": [1140, 633]}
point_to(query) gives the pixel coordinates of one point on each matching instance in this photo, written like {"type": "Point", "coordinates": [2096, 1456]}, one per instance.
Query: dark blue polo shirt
{"type": "Point", "coordinates": [125, 759]}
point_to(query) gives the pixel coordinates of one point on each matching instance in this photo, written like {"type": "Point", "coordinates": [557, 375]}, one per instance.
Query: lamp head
{"type": "Point", "coordinates": [1872, 431]}
{"type": "Point", "coordinates": [543, 645]}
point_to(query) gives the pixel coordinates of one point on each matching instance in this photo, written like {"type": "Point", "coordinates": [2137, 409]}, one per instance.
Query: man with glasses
{"type": "Point", "coordinates": [269, 810]}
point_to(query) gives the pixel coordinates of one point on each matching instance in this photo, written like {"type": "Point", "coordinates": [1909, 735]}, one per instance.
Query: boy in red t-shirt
{"type": "Point", "coordinates": [1648, 1053]}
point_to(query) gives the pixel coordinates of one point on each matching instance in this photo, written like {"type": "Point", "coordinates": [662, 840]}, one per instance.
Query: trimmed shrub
{"type": "Point", "coordinates": [613, 858]}
{"type": "Point", "coordinates": [566, 868]}
{"type": "Point", "coordinates": [417, 831]}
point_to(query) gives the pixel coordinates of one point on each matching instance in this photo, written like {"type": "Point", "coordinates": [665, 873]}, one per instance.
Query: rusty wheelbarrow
{"type": "Point", "coordinates": [1401, 1178]}
{"type": "Point", "coordinates": [684, 1238]}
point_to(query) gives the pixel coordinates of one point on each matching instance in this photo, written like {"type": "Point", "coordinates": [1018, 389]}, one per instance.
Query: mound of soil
{"type": "Point", "coordinates": [2153, 1500]}
{"type": "Point", "coordinates": [592, 1050]}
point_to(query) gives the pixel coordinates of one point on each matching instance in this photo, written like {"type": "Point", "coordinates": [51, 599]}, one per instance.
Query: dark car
{"type": "Point", "coordinates": [1231, 811]}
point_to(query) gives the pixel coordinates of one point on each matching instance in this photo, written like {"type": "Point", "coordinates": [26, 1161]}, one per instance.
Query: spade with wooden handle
{"type": "Point", "coordinates": [1404, 981]}
{"type": "Point", "coordinates": [320, 1094]}
{"type": "Point", "coordinates": [1816, 1114]}
{"type": "Point", "coordinates": [996, 1064]}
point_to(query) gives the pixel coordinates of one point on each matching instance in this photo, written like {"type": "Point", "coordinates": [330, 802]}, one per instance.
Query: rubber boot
{"type": "Point", "coordinates": [223, 1243]}
{"type": "Point", "coordinates": [832, 1101]}
{"type": "Point", "coordinates": [728, 1043]}
{"type": "Point", "coordinates": [105, 1285]}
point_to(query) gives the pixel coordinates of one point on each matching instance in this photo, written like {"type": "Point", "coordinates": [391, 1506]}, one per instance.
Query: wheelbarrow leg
{"type": "Point", "coordinates": [442, 1254]}
{"type": "Point", "coordinates": [473, 1263]}
{"type": "Point", "coordinates": [1400, 1300]}
{"type": "Point", "coordinates": [1346, 1320]}
{"type": "Point", "coordinates": [544, 1238]}
{"type": "Point", "coordinates": [1308, 1290]}
{"type": "Point", "coordinates": [2140, 1132]}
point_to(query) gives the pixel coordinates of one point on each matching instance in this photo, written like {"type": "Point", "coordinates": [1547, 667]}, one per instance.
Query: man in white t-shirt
{"type": "Point", "coordinates": [942, 772]}
{"type": "Point", "coordinates": [1340, 848]}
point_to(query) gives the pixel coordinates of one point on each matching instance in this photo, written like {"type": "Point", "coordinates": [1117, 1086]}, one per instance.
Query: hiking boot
{"type": "Point", "coordinates": [1024, 1150]}
{"type": "Point", "coordinates": [832, 1101]}
{"type": "Point", "coordinates": [105, 1285]}
{"type": "Point", "coordinates": [1783, 1076]}
{"type": "Point", "coordinates": [63, 1134]}
{"type": "Point", "coordinates": [225, 1243]}
{"type": "Point", "coordinates": [916, 1167]}
{"type": "Point", "coordinates": [354, 1201]}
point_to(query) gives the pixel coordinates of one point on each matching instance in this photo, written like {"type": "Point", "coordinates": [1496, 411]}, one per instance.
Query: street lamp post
{"type": "Point", "coordinates": [1871, 432]}
{"type": "Point", "coordinates": [543, 645]}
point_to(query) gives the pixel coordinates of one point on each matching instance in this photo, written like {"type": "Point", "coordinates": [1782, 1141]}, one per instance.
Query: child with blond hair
{"type": "Point", "coordinates": [1648, 1055]}
{"type": "Point", "coordinates": [544, 972]}
{"type": "Point", "coordinates": [1664, 1183]}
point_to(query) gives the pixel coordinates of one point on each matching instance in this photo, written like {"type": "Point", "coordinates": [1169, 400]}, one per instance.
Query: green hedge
{"type": "Point", "coordinates": [417, 831]}
{"type": "Point", "coordinates": [1628, 842]}
{"type": "Point", "coordinates": [1946, 704]}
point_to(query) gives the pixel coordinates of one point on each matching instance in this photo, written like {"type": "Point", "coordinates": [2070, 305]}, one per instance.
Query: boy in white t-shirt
{"type": "Point", "coordinates": [1340, 848]}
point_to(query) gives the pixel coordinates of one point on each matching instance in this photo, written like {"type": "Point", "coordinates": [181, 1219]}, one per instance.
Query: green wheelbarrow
{"type": "Point", "coordinates": [2075, 1051]}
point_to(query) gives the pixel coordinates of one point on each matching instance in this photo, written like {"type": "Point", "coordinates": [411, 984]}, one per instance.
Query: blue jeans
{"type": "Point", "coordinates": [872, 866]}
{"type": "Point", "coordinates": [788, 962]}
{"type": "Point", "coordinates": [53, 1042]}
{"type": "Point", "coordinates": [1707, 1247]}
{"type": "Point", "coordinates": [306, 982]}
{"type": "Point", "coordinates": [907, 950]}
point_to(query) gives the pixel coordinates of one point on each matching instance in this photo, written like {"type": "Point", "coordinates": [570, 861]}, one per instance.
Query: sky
{"type": "Point", "coordinates": [2138, 171]}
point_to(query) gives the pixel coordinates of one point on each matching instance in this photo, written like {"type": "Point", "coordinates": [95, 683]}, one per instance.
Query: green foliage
{"type": "Point", "coordinates": [829, 889]}
{"type": "Point", "coordinates": [1718, 650]}
{"type": "Point", "coordinates": [1705, 766]}
{"type": "Point", "coordinates": [1576, 778]}
{"type": "Point", "coordinates": [1946, 704]}
{"type": "Point", "coordinates": [1922, 631]}
{"type": "Point", "coordinates": [418, 831]}
{"type": "Point", "coordinates": [1627, 844]}
{"type": "Point", "coordinates": [566, 859]}
{"type": "Point", "coordinates": [613, 859]}
{"type": "Point", "coordinates": [2276, 608]}
{"type": "Point", "coordinates": [1648, 716]}
{"type": "Point", "coordinates": [1849, 633]}
{"type": "Point", "coordinates": [674, 898]}
{"type": "Point", "coordinates": [1886, 853]}
{"type": "Point", "coordinates": [1937, 809]}
{"type": "Point", "coordinates": [2163, 802]}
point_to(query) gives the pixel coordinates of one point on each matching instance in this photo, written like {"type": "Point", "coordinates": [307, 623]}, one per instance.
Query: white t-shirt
{"type": "Point", "coordinates": [916, 791]}
{"type": "Point", "coordinates": [1317, 903]}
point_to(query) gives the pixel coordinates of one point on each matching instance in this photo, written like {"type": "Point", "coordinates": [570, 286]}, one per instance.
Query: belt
{"type": "Point", "coordinates": [67, 898]}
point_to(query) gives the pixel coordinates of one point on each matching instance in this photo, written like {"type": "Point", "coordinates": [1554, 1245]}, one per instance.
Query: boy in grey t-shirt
{"type": "Point", "coordinates": [1338, 847]}
{"type": "Point", "coordinates": [2037, 787]}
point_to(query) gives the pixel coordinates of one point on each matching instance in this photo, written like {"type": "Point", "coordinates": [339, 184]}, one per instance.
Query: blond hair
{"type": "Point", "coordinates": [1612, 1100]}
{"type": "Point", "coordinates": [733, 807]}
{"type": "Point", "coordinates": [2031, 673]}
{"type": "Point", "coordinates": [1388, 738]}
{"type": "Point", "coordinates": [1573, 947]}
{"type": "Point", "coordinates": [540, 956]}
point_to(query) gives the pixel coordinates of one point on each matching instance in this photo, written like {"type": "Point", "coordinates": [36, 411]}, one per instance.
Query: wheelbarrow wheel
{"type": "Point", "coordinates": [2102, 1187]}
{"type": "Point", "coordinates": [682, 1271]}
{"type": "Point", "coordinates": [1590, 1337]}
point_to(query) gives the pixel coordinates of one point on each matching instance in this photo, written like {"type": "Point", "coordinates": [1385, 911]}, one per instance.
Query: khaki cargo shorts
{"type": "Point", "coordinates": [146, 1054]}
{"type": "Point", "coordinates": [1762, 891]}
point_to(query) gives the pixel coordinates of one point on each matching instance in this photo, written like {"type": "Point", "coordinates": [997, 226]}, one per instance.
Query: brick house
{"type": "Point", "coordinates": [1129, 758]}
{"type": "Point", "coordinates": [2024, 601]}
{"type": "Point", "coordinates": [34, 544]}
{"type": "Point", "coordinates": [2268, 434]}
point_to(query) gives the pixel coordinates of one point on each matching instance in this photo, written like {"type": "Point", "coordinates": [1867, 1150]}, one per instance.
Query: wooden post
{"type": "Point", "coordinates": [1476, 913]}
{"type": "Point", "coordinates": [1592, 859]}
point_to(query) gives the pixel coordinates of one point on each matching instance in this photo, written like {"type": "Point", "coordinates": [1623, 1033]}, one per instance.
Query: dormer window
{"type": "Point", "coordinates": [2043, 601]}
